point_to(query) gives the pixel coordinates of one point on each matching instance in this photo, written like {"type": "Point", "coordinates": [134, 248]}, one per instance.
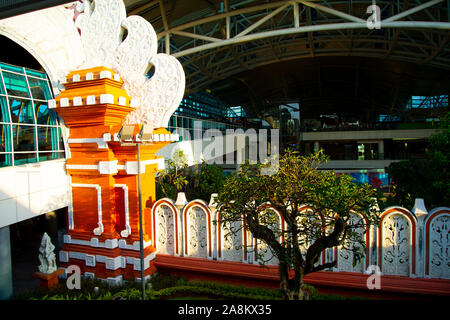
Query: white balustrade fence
{"type": "Point", "coordinates": [412, 243]}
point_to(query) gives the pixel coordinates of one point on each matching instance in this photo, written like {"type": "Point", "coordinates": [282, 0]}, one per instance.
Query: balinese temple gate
{"type": "Point", "coordinates": [111, 91]}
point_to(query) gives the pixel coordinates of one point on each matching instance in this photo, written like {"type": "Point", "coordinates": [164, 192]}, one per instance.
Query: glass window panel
{"type": "Point", "coordinates": [24, 138]}
{"type": "Point", "coordinates": [2, 88]}
{"type": "Point", "coordinates": [60, 139]}
{"type": "Point", "coordinates": [39, 89]}
{"type": "Point", "coordinates": [44, 115]}
{"type": "Point", "coordinates": [43, 156]}
{"type": "Point", "coordinates": [58, 155]}
{"type": "Point", "coordinates": [23, 113]}
{"type": "Point", "coordinates": [5, 159]}
{"type": "Point", "coordinates": [21, 110]}
{"type": "Point", "coordinates": [16, 85]}
{"type": "Point", "coordinates": [47, 138]}
{"type": "Point", "coordinates": [9, 67]}
{"type": "Point", "coordinates": [35, 73]}
{"type": "Point", "coordinates": [4, 112]}
{"type": "Point", "coordinates": [21, 158]}
{"type": "Point", "coordinates": [180, 122]}
{"type": "Point", "coordinates": [5, 137]}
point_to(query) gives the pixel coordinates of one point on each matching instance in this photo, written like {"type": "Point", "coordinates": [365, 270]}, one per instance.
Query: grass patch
{"type": "Point", "coordinates": [165, 287]}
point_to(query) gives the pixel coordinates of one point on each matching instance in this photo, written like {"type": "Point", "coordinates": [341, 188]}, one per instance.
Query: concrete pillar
{"type": "Point", "coordinates": [421, 212]}
{"type": "Point", "coordinates": [381, 150]}
{"type": "Point", "coordinates": [6, 285]}
{"type": "Point", "coordinates": [51, 226]}
{"type": "Point", "coordinates": [213, 208]}
{"type": "Point", "coordinates": [180, 203]}
{"type": "Point", "coordinates": [316, 146]}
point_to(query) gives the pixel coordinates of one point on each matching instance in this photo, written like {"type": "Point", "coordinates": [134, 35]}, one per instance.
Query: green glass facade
{"type": "Point", "coordinates": [207, 111]}
{"type": "Point", "coordinates": [30, 131]}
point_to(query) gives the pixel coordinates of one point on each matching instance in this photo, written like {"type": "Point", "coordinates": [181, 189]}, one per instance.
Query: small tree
{"type": "Point", "coordinates": [428, 178]}
{"type": "Point", "coordinates": [199, 183]}
{"type": "Point", "coordinates": [333, 200]}
{"type": "Point", "coordinates": [173, 179]}
{"type": "Point", "coordinates": [206, 180]}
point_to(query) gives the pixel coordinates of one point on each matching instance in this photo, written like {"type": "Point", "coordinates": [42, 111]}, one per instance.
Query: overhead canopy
{"type": "Point", "coordinates": [319, 53]}
{"type": "Point", "coordinates": [323, 54]}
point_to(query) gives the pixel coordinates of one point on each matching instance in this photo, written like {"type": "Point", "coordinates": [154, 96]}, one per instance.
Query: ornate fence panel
{"type": "Point", "coordinates": [404, 243]}
{"type": "Point", "coordinates": [165, 226]}
{"type": "Point", "coordinates": [397, 242]}
{"type": "Point", "coordinates": [197, 230]}
{"type": "Point", "coordinates": [276, 223]}
{"type": "Point", "coordinates": [303, 220]}
{"type": "Point", "coordinates": [232, 242]}
{"type": "Point", "coordinates": [437, 239]}
{"type": "Point", "coordinates": [345, 256]}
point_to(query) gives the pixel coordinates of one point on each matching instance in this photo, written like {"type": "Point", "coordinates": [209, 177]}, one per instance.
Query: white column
{"type": "Point", "coordinates": [180, 203]}
{"type": "Point", "coordinates": [421, 213]}
{"type": "Point", "coordinates": [6, 285]}
{"type": "Point", "coordinates": [213, 208]}
{"type": "Point", "coordinates": [381, 150]}
{"type": "Point", "coordinates": [316, 146]}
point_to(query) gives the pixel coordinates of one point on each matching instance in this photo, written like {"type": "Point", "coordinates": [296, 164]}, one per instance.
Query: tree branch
{"type": "Point", "coordinates": [332, 240]}
{"type": "Point", "coordinates": [324, 266]}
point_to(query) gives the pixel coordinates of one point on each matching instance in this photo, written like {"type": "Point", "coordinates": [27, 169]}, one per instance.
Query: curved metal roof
{"type": "Point", "coordinates": [322, 53]}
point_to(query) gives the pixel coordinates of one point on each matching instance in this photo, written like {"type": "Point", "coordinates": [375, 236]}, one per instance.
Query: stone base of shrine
{"type": "Point", "coordinates": [326, 282]}
{"type": "Point", "coordinates": [114, 277]}
{"type": "Point", "coordinates": [114, 265]}
{"type": "Point", "coordinates": [48, 280]}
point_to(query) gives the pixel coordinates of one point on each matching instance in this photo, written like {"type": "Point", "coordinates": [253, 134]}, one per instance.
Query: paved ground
{"type": "Point", "coordinates": [24, 263]}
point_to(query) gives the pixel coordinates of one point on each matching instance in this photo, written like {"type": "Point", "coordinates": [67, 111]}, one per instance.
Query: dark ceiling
{"type": "Point", "coordinates": [346, 71]}
{"type": "Point", "coordinates": [324, 85]}
{"type": "Point", "coordinates": [349, 71]}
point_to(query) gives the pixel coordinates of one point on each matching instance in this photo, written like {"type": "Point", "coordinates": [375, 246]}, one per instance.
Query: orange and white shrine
{"type": "Point", "coordinates": [108, 91]}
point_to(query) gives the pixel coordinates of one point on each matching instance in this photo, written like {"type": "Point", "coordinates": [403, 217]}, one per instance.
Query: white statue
{"type": "Point", "coordinates": [47, 256]}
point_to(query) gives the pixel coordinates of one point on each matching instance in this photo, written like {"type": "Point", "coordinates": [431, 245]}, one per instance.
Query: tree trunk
{"type": "Point", "coordinates": [284, 281]}
{"type": "Point", "coordinates": [291, 289]}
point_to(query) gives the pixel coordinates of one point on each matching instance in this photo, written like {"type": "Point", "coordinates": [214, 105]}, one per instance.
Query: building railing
{"type": "Point", "coordinates": [196, 127]}
{"type": "Point", "coordinates": [405, 243]}
{"type": "Point", "coordinates": [373, 126]}
{"type": "Point", "coordinates": [376, 156]}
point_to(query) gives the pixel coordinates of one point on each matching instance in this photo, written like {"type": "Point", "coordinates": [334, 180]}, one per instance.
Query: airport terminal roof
{"type": "Point", "coordinates": [323, 54]}
{"type": "Point", "coordinates": [262, 53]}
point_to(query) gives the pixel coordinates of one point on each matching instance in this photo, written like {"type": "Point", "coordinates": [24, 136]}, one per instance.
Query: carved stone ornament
{"type": "Point", "coordinates": [232, 241]}
{"type": "Point", "coordinates": [440, 247]}
{"type": "Point", "coordinates": [47, 256]}
{"type": "Point", "coordinates": [102, 24]}
{"type": "Point", "coordinates": [165, 238]}
{"type": "Point", "coordinates": [198, 233]}
{"type": "Point", "coordinates": [396, 245]}
{"type": "Point", "coordinates": [345, 260]}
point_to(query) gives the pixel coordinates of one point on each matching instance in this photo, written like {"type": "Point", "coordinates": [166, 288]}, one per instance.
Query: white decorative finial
{"type": "Point", "coordinates": [102, 26]}
{"type": "Point", "coordinates": [419, 208]}
{"type": "Point", "coordinates": [101, 31]}
{"type": "Point", "coordinates": [181, 200]}
{"type": "Point", "coordinates": [212, 202]}
{"type": "Point", "coordinates": [47, 256]}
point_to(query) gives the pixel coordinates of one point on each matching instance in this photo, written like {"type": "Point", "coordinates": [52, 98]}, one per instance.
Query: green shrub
{"type": "Point", "coordinates": [160, 281]}
{"type": "Point", "coordinates": [162, 287]}
{"type": "Point", "coordinates": [165, 286]}
{"type": "Point", "coordinates": [91, 289]}
{"type": "Point", "coordinates": [218, 292]}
